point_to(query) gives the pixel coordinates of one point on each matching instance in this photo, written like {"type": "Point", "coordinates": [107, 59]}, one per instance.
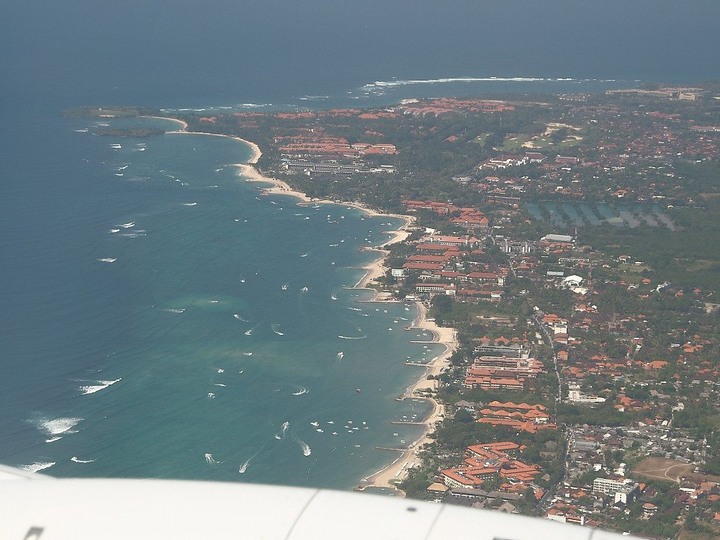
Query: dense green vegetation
{"type": "Point", "coordinates": [689, 256]}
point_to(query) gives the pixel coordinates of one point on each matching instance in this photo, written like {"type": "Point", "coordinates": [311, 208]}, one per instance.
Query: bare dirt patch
{"type": "Point", "coordinates": [663, 469]}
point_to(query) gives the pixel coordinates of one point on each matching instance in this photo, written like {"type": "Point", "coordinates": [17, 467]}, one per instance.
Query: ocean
{"type": "Point", "coordinates": [159, 316]}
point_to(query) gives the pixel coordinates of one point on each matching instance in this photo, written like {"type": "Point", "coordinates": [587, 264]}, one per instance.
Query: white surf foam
{"type": "Point", "coordinates": [78, 460]}
{"type": "Point", "coordinates": [57, 426]}
{"type": "Point", "coordinates": [450, 80]}
{"type": "Point", "coordinates": [37, 466]}
{"type": "Point", "coordinates": [306, 450]}
{"type": "Point", "coordinates": [99, 385]}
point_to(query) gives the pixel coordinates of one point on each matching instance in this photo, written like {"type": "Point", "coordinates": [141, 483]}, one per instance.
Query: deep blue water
{"type": "Point", "coordinates": [160, 319]}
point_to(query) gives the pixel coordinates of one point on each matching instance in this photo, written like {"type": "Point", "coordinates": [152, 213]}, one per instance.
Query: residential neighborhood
{"type": "Point", "coordinates": [572, 243]}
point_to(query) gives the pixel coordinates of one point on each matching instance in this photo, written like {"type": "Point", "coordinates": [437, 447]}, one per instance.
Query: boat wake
{"type": "Point", "coordinates": [300, 392]}
{"type": "Point", "coordinates": [244, 466]}
{"type": "Point", "coordinates": [209, 459]}
{"type": "Point", "coordinates": [78, 460]}
{"type": "Point", "coordinates": [276, 329]}
{"type": "Point", "coordinates": [352, 337]}
{"type": "Point", "coordinates": [306, 450]}
{"type": "Point", "coordinates": [281, 435]}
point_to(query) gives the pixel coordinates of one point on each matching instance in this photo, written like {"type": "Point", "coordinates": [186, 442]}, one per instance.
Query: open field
{"type": "Point", "coordinates": [672, 470]}
{"type": "Point", "coordinates": [663, 469]}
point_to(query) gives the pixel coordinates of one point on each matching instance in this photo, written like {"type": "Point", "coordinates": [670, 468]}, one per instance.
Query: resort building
{"type": "Point", "coordinates": [490, 461]}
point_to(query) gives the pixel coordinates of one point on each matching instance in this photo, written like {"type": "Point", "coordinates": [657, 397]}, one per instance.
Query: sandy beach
{"type": "Point", "coordinates": [398, 470]}
{"type": "Point", "coordinates": [256, 153]}
{"type": "Point", "coordinates": [408, 459]}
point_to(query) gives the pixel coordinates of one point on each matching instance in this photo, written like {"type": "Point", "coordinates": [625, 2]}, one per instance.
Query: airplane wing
{"type": "Point", "coordinates": [38, 507]}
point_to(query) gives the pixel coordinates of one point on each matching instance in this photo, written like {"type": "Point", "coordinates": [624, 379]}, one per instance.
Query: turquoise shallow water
{"type": "Point", "coordinates": [225, 341]}
{"type": "Point", "coordinates": [111, 342]}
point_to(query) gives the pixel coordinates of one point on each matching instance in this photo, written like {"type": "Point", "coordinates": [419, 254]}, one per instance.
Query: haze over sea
{"type": "Point", "coordinates": [159, 318]}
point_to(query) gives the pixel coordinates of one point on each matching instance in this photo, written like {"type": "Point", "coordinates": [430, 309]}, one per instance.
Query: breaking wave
{"type": "Point", "coordinates": [37, 466]}
{"type": "Point", "coordinates": [99, 385]}
{"type": "Point", "coordinates": [57, 426]}
{"type": "Point", "coordinates": [449, 80]}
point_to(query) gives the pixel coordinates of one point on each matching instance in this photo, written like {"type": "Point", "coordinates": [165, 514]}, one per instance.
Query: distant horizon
{"type": "Point", "coordinates": [262, 52]}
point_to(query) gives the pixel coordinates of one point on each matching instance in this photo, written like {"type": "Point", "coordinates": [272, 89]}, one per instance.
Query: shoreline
{"type": "Point", "coordinates": [397, 470]}
{"type": "Point", "coordinates": [256, 153]}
